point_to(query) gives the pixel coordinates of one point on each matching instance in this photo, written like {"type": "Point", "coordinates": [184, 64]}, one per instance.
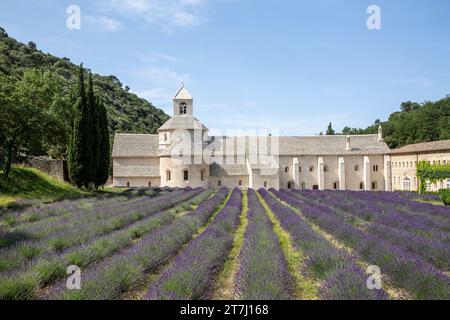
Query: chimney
{"type": "Point", "coordinates": [348, 144]}
{"type": "Point", "coordinates": [380, 134]}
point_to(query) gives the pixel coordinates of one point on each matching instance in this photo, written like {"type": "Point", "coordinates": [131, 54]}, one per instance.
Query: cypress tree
{"type": "Point", "coordinates": [94, 136]}
{"type": "Point", "coordinates": [80, 146]}
{"type": "Point", "coordinates": [104, 153]}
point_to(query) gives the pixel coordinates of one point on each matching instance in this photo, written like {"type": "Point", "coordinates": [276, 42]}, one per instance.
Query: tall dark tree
{"type": "Point", "coordinates": [330, 130]}
{"type": "Point", "coordinates": [104, 153]}
{"type": "Point", "coordinates": [94, 136]}
{"type": "Point", "coordinates": [79, 155]}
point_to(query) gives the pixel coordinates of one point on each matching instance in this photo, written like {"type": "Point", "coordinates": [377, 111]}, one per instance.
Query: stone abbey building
{"type": "Point", "coordinates": [183, 154]}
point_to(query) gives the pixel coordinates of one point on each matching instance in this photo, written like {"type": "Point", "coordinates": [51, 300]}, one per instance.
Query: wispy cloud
{"type": "Point", "coordinates": [104, 23]}
{"type": "Point", "coordinates": [420, 82]}
{"type": "Point", "coordinates": [169, 15]}
{"type": "Point", "coordinates": [153, 57]}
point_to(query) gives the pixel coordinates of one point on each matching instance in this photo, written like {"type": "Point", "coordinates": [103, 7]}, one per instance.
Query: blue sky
{"type": "Point", "coordinates": [292, 65]}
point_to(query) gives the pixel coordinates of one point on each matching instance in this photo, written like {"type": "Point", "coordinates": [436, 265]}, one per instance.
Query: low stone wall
{"type": "Point", "coordinates": [54, 168]}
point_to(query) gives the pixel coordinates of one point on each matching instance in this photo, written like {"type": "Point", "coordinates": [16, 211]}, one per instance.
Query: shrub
{"type": "Point", "coordinates": [445, 196]}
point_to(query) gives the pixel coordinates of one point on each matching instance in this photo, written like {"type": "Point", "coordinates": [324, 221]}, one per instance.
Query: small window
{"type": "Point", "coordinates": [300, 169]}
{"type": "Point", "coordinates": [168, 175]}
{"type": "Point", "coordinates": [183, 108]}
{"type": "Point", "coordinates": [240, 183]}
{"type": "Point", "coordinates": [303, 185]}
{"type": "Point", "coordinates": [356, 168]}
{"type": "Point", "coordinates": [128, 184]}
{"type": "Point", "coordinates": [149, 184]}
{"type": "Point", "coordinates": [202, 175]}
{"type": "Point", "coordinates": [289, 185]}
{"type": "Point", "coordinates": [315, 187]}
{"type": "Point", "coordinates": [219, 183]}
{"type": "Point", "coordinates": [336, 185]}
{"type": "Point", "coordinates": [375, 168]}
{"type": "Point", "coordinates": [448, 184]}
{"type": "Point", "coordinates": [186, 175]}
{"type": "Point", "coordinates": [374, 185]}
{"type": "Point", "coordinates": [361, 186]}
{"type": "Point", "coordinates": [265, 184]}
{"type": "Point", "coordinates": [286, 169]}
{"type": "Point", "coordinates": [325, 169]}
{"type": "Point", "coordinates": [311, 169]}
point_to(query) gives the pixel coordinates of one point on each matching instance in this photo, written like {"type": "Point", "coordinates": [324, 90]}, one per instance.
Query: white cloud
{"type": "Point", "coordinates": [249, 104]}
{"type": "Point", "coordinates": [162, 76]}
{"type": "Point", "coordinates": [154, 57]}
{"type": "Point", "coordinates": [104, 23]}
{"type": "Point", "coordinates": [169, 15]}
{"type": "Point", "coordinates": [421, 82]}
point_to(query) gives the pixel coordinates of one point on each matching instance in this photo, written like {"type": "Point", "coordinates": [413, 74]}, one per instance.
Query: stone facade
{"type": "Point", "coordinates": [405, 160]}
{"type": "Point", "coordinates": [182, 154]}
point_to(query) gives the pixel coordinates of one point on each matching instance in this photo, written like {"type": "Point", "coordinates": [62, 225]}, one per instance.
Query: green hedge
{"type": "Point", "coordinates": [445, 196]}
{"type": "Point", "coordinates": [431, 172]}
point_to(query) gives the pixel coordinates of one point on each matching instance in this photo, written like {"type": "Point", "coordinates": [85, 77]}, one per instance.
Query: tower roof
{"type": "Point", "coordinates": [183, 94]}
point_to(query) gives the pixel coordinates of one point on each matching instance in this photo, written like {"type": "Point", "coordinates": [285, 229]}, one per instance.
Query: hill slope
{"type": "Point", "coordinates": [127, 112]}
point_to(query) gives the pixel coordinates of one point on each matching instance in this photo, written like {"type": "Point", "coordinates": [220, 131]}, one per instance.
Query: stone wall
{"type": "Point", "coordinates": [55, 168]}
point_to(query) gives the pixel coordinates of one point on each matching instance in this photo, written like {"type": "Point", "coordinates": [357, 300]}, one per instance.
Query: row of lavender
{"type": "Point", "coordinates": [112, 277]}
{"type": "Point", "coordinates": [43, 270]}
{"type": "Point", "coordinates": [263, 272]}
{"type": "Point", "coordinates": [406, 270]}
{"type": "Point", "coordinates": [193, 272]}
{"type": "Point", "coordinates": [411, 231]}
{"type": "Point", "coordinates": [72, 207]}
{"type": "Point", "coordinates": [23, 252]}
{"type": "Point", "coordinates": [337, 272]}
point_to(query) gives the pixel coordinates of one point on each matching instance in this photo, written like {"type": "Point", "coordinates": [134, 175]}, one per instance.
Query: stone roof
{"type": "Point", "coordinates": [313, 145]}
{"type": "Point", "coordinates": [182, 123]}
{"type": "Point", "coordinates": [424, 147]}
{"type": "Point", "coordinates": [136, 171]}
{"type": "Point", "coordinates": [218, 170]}
{"type": "Point", "coordinates": [183, 94]}
{"type": "Point", "coordinates": [135, 145]}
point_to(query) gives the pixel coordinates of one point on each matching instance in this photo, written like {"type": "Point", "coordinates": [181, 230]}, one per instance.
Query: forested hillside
{"type": "Point", "coordinates": [126, 111]}
{"type": "Point", "coordinates": [414, 123]}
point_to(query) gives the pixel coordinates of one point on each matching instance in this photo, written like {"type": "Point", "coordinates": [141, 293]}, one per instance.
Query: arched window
{"type": "Point", "coordinates": [186, 175]}
{"type": "Point", "coordinates": [357, 168]}
{"type": "Point", "coordinates": [374, 185]}
{"type": "Point", "coordinates": [336, 185]}
{"type": "Point", "coordinates": [311, 169]}
{"type": "Point", "coordinates": [149, 184]}
{"type": "Point", "coordinates": [183, 108]}
{"type": "Point", "coordinates": [325, 169]}
{"type": "Point", "coordinates": [219, 183]}
{"type": "Point", "coordinates": [375, 168]}
{"type": "Point", "coordinates": [289, 185]}
{"type": "Point", "coordinates": [240, 183]}
{"type": "Point", "coordinates": [361, 186]}
{"type": "Point", "coordinates": [265, 184]}
{"type": "Point", "coordinates": [286, 169]}
{"type": "Point", "coordinates": [128, 184]}
{"type": "Point", "coordinates": [168, 175]}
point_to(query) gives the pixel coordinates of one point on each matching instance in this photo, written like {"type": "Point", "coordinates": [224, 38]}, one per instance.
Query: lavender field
{"type": "Point", "coordinates": [195, 244]}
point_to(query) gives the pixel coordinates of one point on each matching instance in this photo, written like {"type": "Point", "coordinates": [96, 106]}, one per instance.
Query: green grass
{"type": "Point", "coordinates": [28, 183]}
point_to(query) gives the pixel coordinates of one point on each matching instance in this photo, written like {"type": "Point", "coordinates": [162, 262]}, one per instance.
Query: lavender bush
{"type": "Point", "coordinates": [406, 270]}
{"type": "Point", "coordinates": [342, 278]}
{"type": "Point", "coordinates": [263, 273]}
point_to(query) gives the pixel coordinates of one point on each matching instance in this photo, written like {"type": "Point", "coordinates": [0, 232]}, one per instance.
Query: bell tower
{"type": "Point", "coordinates": [183, 103]}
